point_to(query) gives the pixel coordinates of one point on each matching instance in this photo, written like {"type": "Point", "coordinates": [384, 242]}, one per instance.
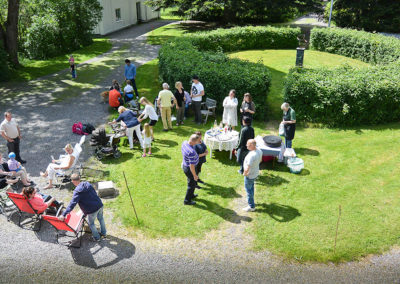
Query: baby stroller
{"type": "Point", "coordinates": [106, 145]}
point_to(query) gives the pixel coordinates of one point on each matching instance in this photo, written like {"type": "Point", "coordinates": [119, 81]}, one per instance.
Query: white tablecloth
{"type": "Point", "coordinates": [270, 151]}
{"type": "Point", "coordinates": [218, 143]}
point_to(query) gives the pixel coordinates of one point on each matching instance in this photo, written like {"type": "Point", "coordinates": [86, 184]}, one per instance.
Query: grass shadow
{"type": "Point", "coordinates": [111, 160]}
{"type": "Point", "coordinates": [163, 156]}
{"type": "Point", "coordinates": [270, 180]}
{"type": "Point", "coordinates": [279, 212]}
{"type": "Point", "coordinates": [224, 192]}
{"type": "Point", "coordinates": [307, 152]}
{"type": "Point", "coordinates": [166, 143]}
{"type": "Point", "coordinates": [225, 213]}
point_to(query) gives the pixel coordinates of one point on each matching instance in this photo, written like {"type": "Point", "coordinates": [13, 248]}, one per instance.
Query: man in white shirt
{"type": "Point", "coordinates": [196, 93]}
{"type": "Point", "coordinates": [251, 171]}
{"type": "Point", "coordinates": [10, 131]}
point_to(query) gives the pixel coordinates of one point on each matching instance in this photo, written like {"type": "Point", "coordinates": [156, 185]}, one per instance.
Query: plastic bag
{"type": "Point", "coordinates": [281, 129]}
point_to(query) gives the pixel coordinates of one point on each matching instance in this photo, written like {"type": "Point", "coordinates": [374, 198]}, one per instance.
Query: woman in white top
{"type": "Point", "coordinates": [58, 166]}
{"type": "Point", "coordinates": [230, 104]}
{"type": "Point", "coordinates": [128, 91]}
{"type": "Point", "coordinates": [150, 112]}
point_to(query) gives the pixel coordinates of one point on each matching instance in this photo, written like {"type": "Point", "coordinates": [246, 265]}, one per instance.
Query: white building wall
{"type": "Point", "coordinates": [109, 22]}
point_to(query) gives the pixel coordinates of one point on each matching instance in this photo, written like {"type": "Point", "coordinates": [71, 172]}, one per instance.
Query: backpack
{"type": "Point", "coordinates": [77, 128]}
{"type": "Point", "coordinates": [87, 128]}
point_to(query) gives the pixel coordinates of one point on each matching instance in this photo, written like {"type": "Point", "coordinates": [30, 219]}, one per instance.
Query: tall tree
{"type": "Point", "coordinates": [240, 11]}
{"type": "Point", "coordinates": [9, 31]}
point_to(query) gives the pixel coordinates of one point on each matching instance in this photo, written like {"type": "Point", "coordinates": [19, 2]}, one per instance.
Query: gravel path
{"type": "Point", "coordinates": [222, 256]}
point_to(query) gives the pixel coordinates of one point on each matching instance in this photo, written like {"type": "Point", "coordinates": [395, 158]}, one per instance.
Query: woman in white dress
{"type": "Point", "coordinates": [230, 104]}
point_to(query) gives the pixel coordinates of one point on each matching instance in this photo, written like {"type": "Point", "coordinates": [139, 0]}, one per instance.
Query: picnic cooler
{"type": "Point", "coordinates": [295, 165]}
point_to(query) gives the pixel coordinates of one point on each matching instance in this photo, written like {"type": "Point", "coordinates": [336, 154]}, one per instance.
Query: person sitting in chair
{"type": "Point", "coordinates": [59, 166]}
{"type": "Point", "coordinates": [17, 170]}
{"type": "Point", "coordinates": [6, 176]}
{"type": "Point", "coordinates": [40, 202]}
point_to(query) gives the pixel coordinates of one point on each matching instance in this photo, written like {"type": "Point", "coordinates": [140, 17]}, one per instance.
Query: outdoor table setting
{"type": "Point", "coordinates": [221, 139]}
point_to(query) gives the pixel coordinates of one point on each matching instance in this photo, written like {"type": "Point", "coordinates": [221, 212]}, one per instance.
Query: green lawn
{"type": "Point", "coordinates": [32, 69]}
{"type": "Point", "coordinates": [167, 14]}
{"type": "Point", "coordinates": [280, 62]}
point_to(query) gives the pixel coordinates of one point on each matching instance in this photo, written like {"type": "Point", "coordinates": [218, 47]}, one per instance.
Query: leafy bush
{"type": "Point", "coordinates": [41, 41]}
{"type": "Point", "coordinates": [4, 69]}
{"type": "Point", "coordinates": [345, 96]}
{"type": "Point", "coordinates": [179, 60]}
{"type": "Point", "coordinates": [368, 47]}
{"type": "Point", "coordinates": [244, 38]}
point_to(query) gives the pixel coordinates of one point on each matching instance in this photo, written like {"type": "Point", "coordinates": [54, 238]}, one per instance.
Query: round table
{"type": "Point", "coordinates": [221, 142]}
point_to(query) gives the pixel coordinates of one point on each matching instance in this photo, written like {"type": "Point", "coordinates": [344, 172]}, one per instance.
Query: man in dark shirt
{"type": "Point", "coordinates": [90, 204]}
{"type": "Point", "coordinates": [246, 133]}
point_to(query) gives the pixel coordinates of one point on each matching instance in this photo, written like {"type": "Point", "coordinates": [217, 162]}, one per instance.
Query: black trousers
{"type": "Point", "coordinates": [134, 87]}
{"type": "Point", "coordinates": [241, 154]}
{"type": "Point", "coordinates": [197, 111]}
{"type": "Point", "coordinates": [198, 168]}
{"type": "Point", "coordinates": [191, 184]}
{"type": "Point", "coordinates": [14, 147]}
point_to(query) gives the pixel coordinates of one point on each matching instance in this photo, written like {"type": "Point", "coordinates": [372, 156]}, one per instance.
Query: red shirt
{"type": "Point", "coordinates": [38, 203]}
{"type": "Point", "coordinates": [113, 97]}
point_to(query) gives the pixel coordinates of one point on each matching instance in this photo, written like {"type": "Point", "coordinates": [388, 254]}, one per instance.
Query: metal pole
{"type": "Point", "coordinates": [131, 198]}
{"type": "Point", "coordinates": [330, 15]}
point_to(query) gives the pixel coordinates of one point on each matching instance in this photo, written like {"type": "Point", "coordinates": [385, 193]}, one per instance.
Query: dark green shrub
{"type": "Point", "coordinates": [41, 40]}
{"type": "Point", "coordinates": [179, 60]}
{"type": "Point", "coordinates": [368, 47]}
{"type": "Point", "coordinates": [345, 96]}
{"type": "Point", "coordinates": [245, 38]}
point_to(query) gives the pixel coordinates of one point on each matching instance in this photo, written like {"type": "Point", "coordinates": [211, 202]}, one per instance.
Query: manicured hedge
{"type": "Point", "coordinates": [245, 38]}
{"type": "Point", "coordinates": [179, 60]}
{"type": "Point", "coordinates": [202, 54]}
{"type": "Point", "coordinates": [345, 96]}
{"type": "Point", "coordinates": [368, 47]}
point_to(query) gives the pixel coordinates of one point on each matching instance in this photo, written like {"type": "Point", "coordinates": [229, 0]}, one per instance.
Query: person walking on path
{"type": "Point", "coordinates": [289, 122]}
{"type": "Point", "coordinates": [164, 101]}
{"type": "Point", "coordinates": [230, 104]}
{"type": "Point", "coordinates": [72, 66]}
{"type": "Point", "coordinates": [189, 162]}
{"type": "Point", "coordinates": [201, 150]}
{"type": "Point", "coordinates": [251, 172]}
{"type": "Point", "coordinates": [130, 74]}
{"type": "Point", "coordinates": [149, 112]}
{"type": "Point", "coordinates": [241, 151]}
{"type": "Point", "coordinates": [180, 98]}
{"type": "Point", "coordinates": [90, 204]}
{"type": "Point", "coordinates": [197, 93]}
{"type": "Point", "coordinates": [12, 134]}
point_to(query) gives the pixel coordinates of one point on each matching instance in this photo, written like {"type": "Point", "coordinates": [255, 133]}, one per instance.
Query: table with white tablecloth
{"type": "Point", "coordinates": [270, 151]}
{"type": "Point", "coordinates": [221, 141]}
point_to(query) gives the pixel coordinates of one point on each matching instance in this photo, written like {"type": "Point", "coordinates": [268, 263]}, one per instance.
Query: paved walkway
{"type": "Point", "coordinates": [48, 107]}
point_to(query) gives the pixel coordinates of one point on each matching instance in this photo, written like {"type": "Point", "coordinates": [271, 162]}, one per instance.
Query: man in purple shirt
{"type": "Point", "coordinates": [190, 160]}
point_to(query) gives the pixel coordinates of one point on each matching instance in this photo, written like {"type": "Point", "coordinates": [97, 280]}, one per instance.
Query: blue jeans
{"type": "Point", "coordinates": [288, 143]}
{"type": "Point", "coordinates": [186, 110]}
{"type": "Point", "coordinates": [92, 217]}
{"type": "Point", "coordinates": [249, 186]}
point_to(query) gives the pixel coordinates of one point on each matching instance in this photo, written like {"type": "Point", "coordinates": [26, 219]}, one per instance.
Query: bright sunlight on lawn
{"type": "Point", "coordinates": [296, 215]}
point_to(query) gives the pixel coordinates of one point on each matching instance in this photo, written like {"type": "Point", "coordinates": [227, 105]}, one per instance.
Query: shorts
{"type": "Point", "coordinates": [152, 122]}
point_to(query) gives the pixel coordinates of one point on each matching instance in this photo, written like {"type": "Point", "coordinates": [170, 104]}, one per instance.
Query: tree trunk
{"type": "Point", "coordinates": [11, 43]}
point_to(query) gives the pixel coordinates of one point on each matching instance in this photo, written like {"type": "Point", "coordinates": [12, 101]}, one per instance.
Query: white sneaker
{"type": "Point", "coordinates": [249, 209]}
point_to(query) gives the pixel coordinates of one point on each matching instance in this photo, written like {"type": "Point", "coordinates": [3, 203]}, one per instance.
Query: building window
{"type": "Point", "coordinates": [118, 14]}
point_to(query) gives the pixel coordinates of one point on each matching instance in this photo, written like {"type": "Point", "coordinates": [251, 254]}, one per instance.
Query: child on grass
{"type": "Point", "coordinates": [147, 139]}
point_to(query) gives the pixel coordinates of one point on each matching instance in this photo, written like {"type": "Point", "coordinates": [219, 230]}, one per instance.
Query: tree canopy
{"type": "Point", "coordinates": [370, 15]}
{"type": "Point", "coordinates": [240, 11]}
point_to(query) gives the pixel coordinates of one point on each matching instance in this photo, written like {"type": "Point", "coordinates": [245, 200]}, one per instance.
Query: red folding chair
{"type": "Point", "coordinates": [72, 223]}
{"type": "Point", "coordinates": [23, 205]}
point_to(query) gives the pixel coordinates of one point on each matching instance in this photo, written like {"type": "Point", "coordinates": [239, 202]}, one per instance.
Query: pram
{"type": "Point", "coordinates": [106, 145]}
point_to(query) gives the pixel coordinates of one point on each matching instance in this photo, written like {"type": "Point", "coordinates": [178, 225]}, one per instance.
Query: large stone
{"type": "Point", "coordinates": [106, 189]}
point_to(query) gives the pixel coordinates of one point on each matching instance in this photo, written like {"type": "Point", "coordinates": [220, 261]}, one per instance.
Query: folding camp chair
{"type": "Point", "coordinates": [24, 206]}
{"type": "Point", "coordinates": [64, 176]}
{"type": "Point", "coordinates": [72, 223]}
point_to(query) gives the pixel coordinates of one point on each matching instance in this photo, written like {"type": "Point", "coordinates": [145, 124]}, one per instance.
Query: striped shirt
{"type": "Point", "coordinates": [190, 157]}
